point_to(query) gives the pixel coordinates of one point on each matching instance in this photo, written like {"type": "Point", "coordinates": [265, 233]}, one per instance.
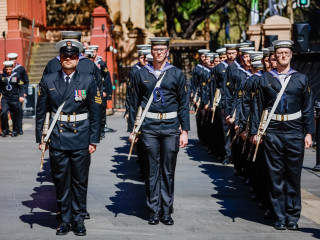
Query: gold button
{"type": "Point", "coordinates": [73, 125]}
{"type": "Point", "coordinates": [75, 131]}
{"type": "Point", "coordinates": [61, 130]}
{"type": "Point", "coordinates": [61, 125]}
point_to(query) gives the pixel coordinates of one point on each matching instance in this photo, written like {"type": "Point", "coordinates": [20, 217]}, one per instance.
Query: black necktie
{"type": "Point", "coordinates": [67, 81]}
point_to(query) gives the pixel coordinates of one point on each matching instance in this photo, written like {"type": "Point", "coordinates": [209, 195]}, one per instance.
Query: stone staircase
{"type": "Point", "coordinates": [41, 54]}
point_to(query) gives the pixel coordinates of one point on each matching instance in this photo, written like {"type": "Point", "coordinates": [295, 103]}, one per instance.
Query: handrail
{"type": "Point", "coordinates": [30, 44]}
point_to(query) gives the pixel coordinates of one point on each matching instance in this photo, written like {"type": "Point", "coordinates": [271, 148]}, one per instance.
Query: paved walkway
{"type": "Point", "coordinates": [210, 202]}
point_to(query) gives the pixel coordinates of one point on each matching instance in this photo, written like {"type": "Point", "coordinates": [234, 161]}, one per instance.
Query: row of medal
{"type": "Point", "coordinates": [80, 95]}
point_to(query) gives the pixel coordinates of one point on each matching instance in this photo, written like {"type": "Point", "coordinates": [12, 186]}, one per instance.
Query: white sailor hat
{"type": "Point", "coordinates": [282, 44]}
{"type": "Point", "coordinates": [266, 52]}
{"type": "Point", "coordinates": [143, 46]}
{"type": "Point", "coordinates": [244, 44]}
{"type": "Point", "coordinates": [271, 50]}
{"type": "Point", "coordinates": [203, 51]}
{"type": "Point", "coordinates": [230, 46]}
{"type": "Point", "coordinates": [215, 55]}
{"type": "Point", "coordinates": [88, 52]}
{"type": "Point", "coordinates": [8, 63]}
{"type": "Point", "coordinates": [12, 55]}
{"type": "Point", "coordinates": [69, 46]}
{"type": "Point", "coordinates": [208, 54]}
{"type": "Point", "coordinates": [146, 51]}
{"type": "Point", "coordinates": [257, 56]}
{"type": "Point", "coordinates": [94, 47]}
{"type": "Point", "coordinates": [149, 58]}
{"type": "Point", "coordinates": [160, 40]}
{"type": "Point", "coordinates": [70, 35]}
{"type": "Point", "coordinates": [246, 50]}
{"type": "Point", "coordinates": [257, 64]}
{"type": "Point", "coordinates": [221, 51]}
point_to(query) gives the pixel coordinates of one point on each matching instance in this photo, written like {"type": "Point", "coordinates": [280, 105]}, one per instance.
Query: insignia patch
{"type": "Point", "coordinates": [185, 88]}
{"type": "Point", "coordinates": [106, 70]}
{"type": "Point", "coordinates": [97, 100]}
{"type": "Point", "coordinates": [239, 93]}
{"type": "Point", "coordinates": [223, 70]}
{"type": "Point", "coordinates": [20, 82]}
{"type": "Point", "coordinates": [252, 94]}
{"type": "Point", "coordinates": [228, 83]}
{"type": "Point", "coordinates": [39, 92]}
{"type": "Point", "coordinates": [209, 80]}
{"type": "Point", "coordinates": [146, 81]}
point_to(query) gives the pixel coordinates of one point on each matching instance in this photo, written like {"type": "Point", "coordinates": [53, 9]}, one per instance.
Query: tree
{"type": "Point", "coordinates": [188, 14]}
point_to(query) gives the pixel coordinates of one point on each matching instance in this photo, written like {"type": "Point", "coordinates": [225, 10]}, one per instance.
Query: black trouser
{"type": "Point", "coordinates": [103, 114]}
{"type": "Point", "coordinates": [20, 116]}
{"type": "Point", "coordinates": [70, 172]}
{"type": "Point", "coordinates": [284, 157]}
{"type": "Point", "coordinates": [140, 155]}
{"type": "Point", "coordinates": [161, 150]}
{"type": "Point", "coordinates": [13, 107]}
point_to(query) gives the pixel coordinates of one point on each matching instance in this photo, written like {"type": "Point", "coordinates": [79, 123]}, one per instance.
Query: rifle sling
{"type": "Point", "coordinates": [53, 123]}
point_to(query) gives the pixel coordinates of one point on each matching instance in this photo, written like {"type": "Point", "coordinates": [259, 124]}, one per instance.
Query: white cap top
{"type": "Point", "coordinates": [12, 55]}
{"type": "Point", "coordinates": [149, 57]}
{"type": "Point", "coordinates": [8, 63]}
{"type": "Point", "coordinates": [143, 46]}
{"type": "Point", "coordinates": [93, 47]}
{"type": "Point", "coordinates": [74, 43]}
{"type": "Point", "coordinates": [202, 51]}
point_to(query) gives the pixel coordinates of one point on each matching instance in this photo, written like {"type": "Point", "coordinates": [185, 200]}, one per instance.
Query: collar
{"type": "Point", "coordinates": [275, 73]}
{"type": "Point", "coordinates": [151, 69]}
{"type": "Point", "coordinates": [225, 63]}
{"type": "Point", "coordinates": [65, 75]}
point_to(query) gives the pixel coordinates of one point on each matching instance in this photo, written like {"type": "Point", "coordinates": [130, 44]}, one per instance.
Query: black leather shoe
{"type": "Point", "coordinates": [14, 134]}
{"type": "Point", "coordinates": [279, 225]}
{"type": "Point", "coordinates": [87, 216]}
{"type": "Point", "coordinates": [80, 229]}
{"type": "Point", "coordinates": [226, 161]}
{"type": "Point", "coordinates": [153, 219]}
{"type": "Point", "coordinates": [63, 229]}
{"type": "Point", "coordinates": [292, 225]}
{"type": "Point", "coordinates": [20, 132]}
{"type": "Point", "coordinates": [167, 219]}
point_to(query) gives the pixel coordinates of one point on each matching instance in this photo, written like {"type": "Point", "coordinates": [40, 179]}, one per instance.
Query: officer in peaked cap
{"type": "Point", "coordinates": [80, 118]}
{"type": "Point", "coordinates": [12, 90]}
{"type": "Point", "coordinates": [22, 73]}
{"type": "Point", "coordinates": [85, 65]}
{"type": "Point", "coordinates": [287, 134]}
{"type": "Point", "coordinates": [107, 87]}
{"type": "Point", "coordinates": [164, 129]}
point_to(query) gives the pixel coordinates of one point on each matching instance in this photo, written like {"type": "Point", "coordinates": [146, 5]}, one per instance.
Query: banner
{"type": "Point", "coordinates": [254, 12]}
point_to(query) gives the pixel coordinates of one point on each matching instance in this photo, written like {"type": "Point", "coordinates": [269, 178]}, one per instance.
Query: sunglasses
{"type": "Point", "coordinates": [72, 57]}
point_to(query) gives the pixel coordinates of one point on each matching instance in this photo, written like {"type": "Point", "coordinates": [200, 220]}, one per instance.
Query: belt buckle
{"type": "Point", "coordinates": [68, 118]}
{"type": "Point", "coordinates": [160, 116]}
{"type": "Point", "coordinates": [282, 118]}
{"type": "Point", "coordinates": [75, 117]}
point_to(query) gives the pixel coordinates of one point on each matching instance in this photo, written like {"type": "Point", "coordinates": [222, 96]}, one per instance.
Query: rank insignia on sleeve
{"type": "Point", "coordinates": [239, 93]}
{"type": "Point", "coordinates": [209, 80]}
{"type": "Point", "coordinates": [252, 94]}
{"type": "Point", "coordinates": [39, 92]}
{"type": "Point", "coordinates": [97, 100]}
{"type": "Point", "coordinates": [106, 70]}
{"type": "Point", "coordinates": [185, 88]}
{"type": "Point", "coordinates": [98, 92]}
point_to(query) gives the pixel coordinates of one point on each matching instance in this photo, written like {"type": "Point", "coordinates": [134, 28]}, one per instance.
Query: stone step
{"type": "Point", "coordinates": [42, 60]}
{"type": "Point", "coordinates": [45, 53]}
{"type": "Point", "coordinates": [36, 66]}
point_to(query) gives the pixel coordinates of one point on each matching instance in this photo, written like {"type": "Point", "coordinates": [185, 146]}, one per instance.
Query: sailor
{"type": "Point", "coordinates": [75, 134]}
{"type": "Point", "coordinates": [12, 91]}
{"type": "Point", "coordinates": [25, 79]}
{"type": "Point", "coordinates": [164, 129]}
{"type": "Point", "coordinates": [288, 133]}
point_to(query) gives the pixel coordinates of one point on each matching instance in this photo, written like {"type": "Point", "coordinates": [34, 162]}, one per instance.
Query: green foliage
{"type": "Point", "coordinates": [188, 6]}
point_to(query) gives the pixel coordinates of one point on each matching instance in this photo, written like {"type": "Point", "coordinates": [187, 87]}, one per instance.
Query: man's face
{"type": "Point", "coordinates": [8, 70]}
{"type": "Point", "coordinates": [69, 61]}
{"type": "Point", "coordinates": [202, 58]}
{"type": "Point", "coordinates": [231, 55]}
{"type": "Point", "coordinates": [246, 60]}
{"type": "Point", "coordinates": [273, 61]}
{"type": "Point", "coordinates": [283, 56]}
{"type": "Point", "coordinates": [94, 53]}
{"type": "Point", "coordinates": [223, 57]}
{"type": "Point", "coordinates": [207, 61]}
{"type": "Point", "coordinates": [266, 63]}
{"type": "Point", "coordinates": [159, 53]}
{"type": "Point", "coordinates": [216, 61]}
{"type": "Point", "coordinates": [141, 60]}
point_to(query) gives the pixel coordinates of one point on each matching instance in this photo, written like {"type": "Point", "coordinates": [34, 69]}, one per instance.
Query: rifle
{"type": "Point", "coordinates": [216, 100]}
{"type": "Point", "coordinates": [134, 136]}
{"type": "Point", "coordinates": [261, 130]}
{"type": "Point", "coordinates": [43, 141]}
{"type": "Point", "coordinates": [234, 138]}
{"type": "Point", "coordinates": [233, 117]}
{"type": "Point", "coordinates": [247, 135]}
{"type": "Point", "coordinates": [198, 105]}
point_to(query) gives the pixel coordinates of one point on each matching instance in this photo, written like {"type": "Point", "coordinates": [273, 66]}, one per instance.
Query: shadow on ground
{"type": "Point", "coordinates": [43, 204]}
{"type": "Point", "coordinates": [130, 198]}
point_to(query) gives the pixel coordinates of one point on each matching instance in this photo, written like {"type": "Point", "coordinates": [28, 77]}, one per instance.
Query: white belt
{"type": "Point", "coordinates": [286, 117]}
{"type": "Point", "coordinates": [168, 115]}
{"type": "Point", "coordinates": [72, 118]}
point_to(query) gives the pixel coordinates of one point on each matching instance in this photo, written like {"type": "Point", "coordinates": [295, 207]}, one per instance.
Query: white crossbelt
{"type": "Point", "coordinates": [286, 117]}
{"type": "Point", "coordinates": [168, 115]}
{"type": "Point", "coordinates": [71, 118]}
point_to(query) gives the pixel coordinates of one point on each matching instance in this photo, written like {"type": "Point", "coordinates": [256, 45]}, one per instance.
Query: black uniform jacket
{"type": "Point", "coordinates": [106, 78]}
{"type": "Point", "coordinates": [133, 70]}
{"type": "Point", "coordinates": [52, 93]}
{"type": "Point", "coordinates": [174, 98]}
{"type": "Point", "coordinates": [21, 71]}
{"type": "Point", "coordinates": [297, 97]}
{"type": "Point", "coordinates": [13, 82]}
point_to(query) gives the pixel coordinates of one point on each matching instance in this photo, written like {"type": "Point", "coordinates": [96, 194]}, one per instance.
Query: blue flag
{"type": "Point", "coordinates": [227, 24]}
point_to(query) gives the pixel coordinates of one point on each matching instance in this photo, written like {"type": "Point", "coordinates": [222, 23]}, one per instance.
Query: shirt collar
{"type": "Point", "coordinates": [65, 75]}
